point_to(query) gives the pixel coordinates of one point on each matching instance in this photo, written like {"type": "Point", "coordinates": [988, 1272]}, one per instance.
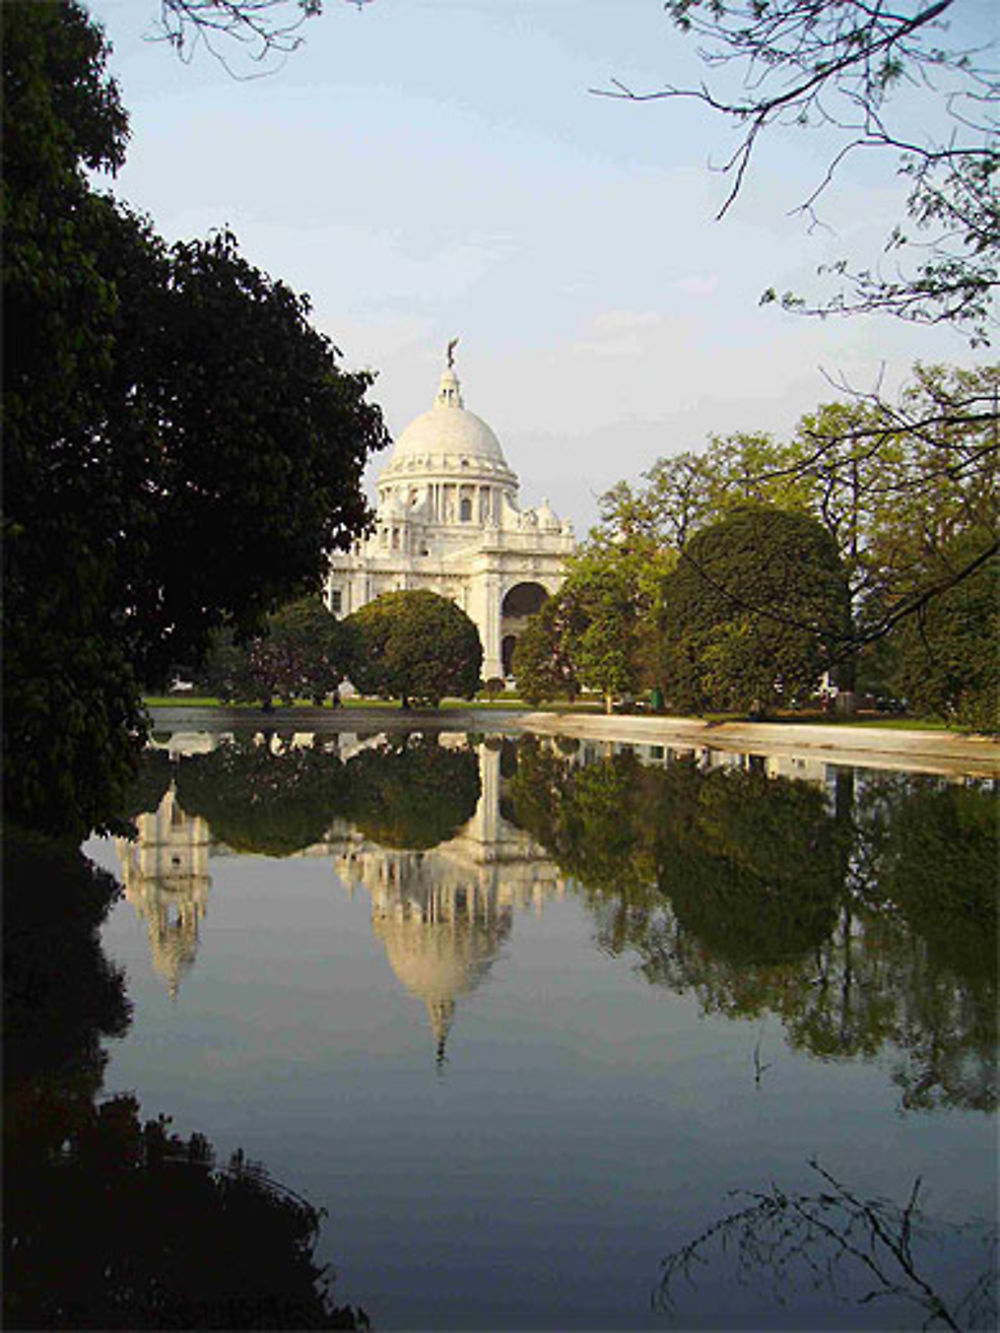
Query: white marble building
{"type": "Point", "coordinates": [448, 520]}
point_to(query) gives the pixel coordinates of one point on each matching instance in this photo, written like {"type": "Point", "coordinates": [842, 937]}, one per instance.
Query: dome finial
{"type": "Point", "coordinates": [450, 391]}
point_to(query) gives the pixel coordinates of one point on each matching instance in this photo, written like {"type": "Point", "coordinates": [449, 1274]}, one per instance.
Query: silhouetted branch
{"type": "Point", "coordinates": [835, 1236]}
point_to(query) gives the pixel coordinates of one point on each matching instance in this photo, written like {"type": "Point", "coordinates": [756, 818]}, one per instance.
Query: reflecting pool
{"type": "Point", "coordinates": [521, 1016]}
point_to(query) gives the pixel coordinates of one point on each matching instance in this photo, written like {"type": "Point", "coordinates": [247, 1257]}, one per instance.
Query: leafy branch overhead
{"type": "Point", "coordinates": [866, 75]}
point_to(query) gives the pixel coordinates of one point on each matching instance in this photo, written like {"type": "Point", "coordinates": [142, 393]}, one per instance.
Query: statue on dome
{"type": "Point", "coordinates": [451, 353]}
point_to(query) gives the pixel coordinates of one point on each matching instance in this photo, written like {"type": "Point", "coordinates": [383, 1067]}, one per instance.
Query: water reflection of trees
{"type": "Point", "coordinates": [861, 914]}
{"type": "Point", "coordinates": [271, 797]}
{"type": "Point", "coordinates": [111, 1221]}
{"type": "Point", "coordinates": [275, 796]}
{"type": "Point", "coordinates": [412, 793]}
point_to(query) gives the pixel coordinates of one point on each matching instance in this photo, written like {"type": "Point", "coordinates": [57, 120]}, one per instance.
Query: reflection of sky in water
{"type": "Point", "coordinates": [582, 1124]}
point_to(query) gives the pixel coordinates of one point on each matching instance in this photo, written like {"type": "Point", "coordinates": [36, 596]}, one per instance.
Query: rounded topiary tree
{"type": "Point", "coordinates": [415, 646]}
{"type": "Point", "coordinates": [754, 612]}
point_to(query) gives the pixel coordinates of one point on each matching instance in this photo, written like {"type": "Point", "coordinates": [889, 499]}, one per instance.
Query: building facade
{"type": "Point", "coordinates": [448, 520]}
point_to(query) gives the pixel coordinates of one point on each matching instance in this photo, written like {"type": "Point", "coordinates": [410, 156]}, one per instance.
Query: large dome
{"type": "Point", "coordinates": [447, 431]}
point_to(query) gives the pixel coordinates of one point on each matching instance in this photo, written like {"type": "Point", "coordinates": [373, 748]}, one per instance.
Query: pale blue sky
{"type": "Point", "coordinates": [427, 169]}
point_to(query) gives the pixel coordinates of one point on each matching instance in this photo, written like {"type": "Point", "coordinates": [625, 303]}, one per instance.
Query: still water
{"type": "Point", "coordinates": [522, 1016]}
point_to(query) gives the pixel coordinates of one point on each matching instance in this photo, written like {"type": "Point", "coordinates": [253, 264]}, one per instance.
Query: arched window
{"type": "Point", "coordinates": [465, 510]}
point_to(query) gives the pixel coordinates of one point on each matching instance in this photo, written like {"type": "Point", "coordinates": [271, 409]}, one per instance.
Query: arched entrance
{"type": "Point", "coordinates": [522, 601]}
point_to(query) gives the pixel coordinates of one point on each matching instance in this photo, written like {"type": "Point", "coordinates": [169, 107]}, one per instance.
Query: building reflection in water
{"type": "Point", "coordinates": [442, 914]}
{"type": "Point", "coordinates": [166, 878]}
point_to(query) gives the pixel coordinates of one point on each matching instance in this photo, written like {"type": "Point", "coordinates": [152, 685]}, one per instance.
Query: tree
{"type": "Point", "coordinates": [543, 665]}
{"type": "Point", "coordinates": [837, 68]}
{"type": "Point", "coordinates": [182, 449]}
{"type": "Point", "coordinates": [304, 651]}
{"type": "Point", "coordinates": [894, 483]}
{"type": "Point", "coordinates": [73, 723]}
{"type": "Point", "coordinates": [317, 647]}
{"type": "Point", "coordinates": [415, 645]}
{"type": "Point", "coordinates": [755, 611]}
{"type": "Point", "coordinates": [946, 659]}
{"type": "Point", "coordinates": [612, 599]}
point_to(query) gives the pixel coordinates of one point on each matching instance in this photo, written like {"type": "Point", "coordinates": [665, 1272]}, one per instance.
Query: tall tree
{"type": "Point", "coordinates": [181, 447]}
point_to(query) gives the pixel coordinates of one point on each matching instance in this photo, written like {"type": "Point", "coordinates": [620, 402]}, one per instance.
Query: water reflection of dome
{"type": "Point", "coordinates": [441, 955]}
{"type": "Point", "coordinates": [443, 915]}
{"type": "Point", "coordinates": [166, 879]}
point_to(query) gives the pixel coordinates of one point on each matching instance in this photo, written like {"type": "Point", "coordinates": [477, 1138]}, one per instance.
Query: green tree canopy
{"type": "Point", "coordinates": [946, 657]}
{"type": "Point", "coordinates": [305, 652]}
{"type": "Point", "coordinates": [754, 612]}
{"type": "Point", "coordinates": [543, 660]}
{"type": "Point", "coordinates": [415, 646]}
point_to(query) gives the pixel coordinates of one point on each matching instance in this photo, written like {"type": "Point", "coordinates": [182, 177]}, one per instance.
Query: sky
{"type": "Point", "coordinates": [431, 169]}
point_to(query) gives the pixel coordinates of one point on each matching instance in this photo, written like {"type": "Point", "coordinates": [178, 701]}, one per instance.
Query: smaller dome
{"type": "Point", "coordinates": [548, 519]}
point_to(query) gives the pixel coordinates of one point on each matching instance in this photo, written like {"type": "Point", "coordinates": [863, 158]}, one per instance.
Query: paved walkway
{"type": "Point", "coordinates": [930, 751]}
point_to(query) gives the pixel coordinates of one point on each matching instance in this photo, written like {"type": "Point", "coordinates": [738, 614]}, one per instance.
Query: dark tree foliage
{"type": "Point", "coordinates": [413, 795]}
{"type": "Point", "coordinates": [153, 777]}
{"type": "Point", "coordinates": [946, 657]}
{"type": "Point", "coordinates": [261, 798]}
{"type": "Point", "coordinates": [181, 448]}
{"type": "Point", "coordinates": [305, 652]}
{"type": "Point", "coordinates": [854, 71]}
{"type": "Point", "coordinates": [756, 609]}
{"type": "Point", "coordinates": [415, 646]}
{"type": "Point", "coordinates": [72, 721]}
{"type": "Point", "coordinates": [261, 439]}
